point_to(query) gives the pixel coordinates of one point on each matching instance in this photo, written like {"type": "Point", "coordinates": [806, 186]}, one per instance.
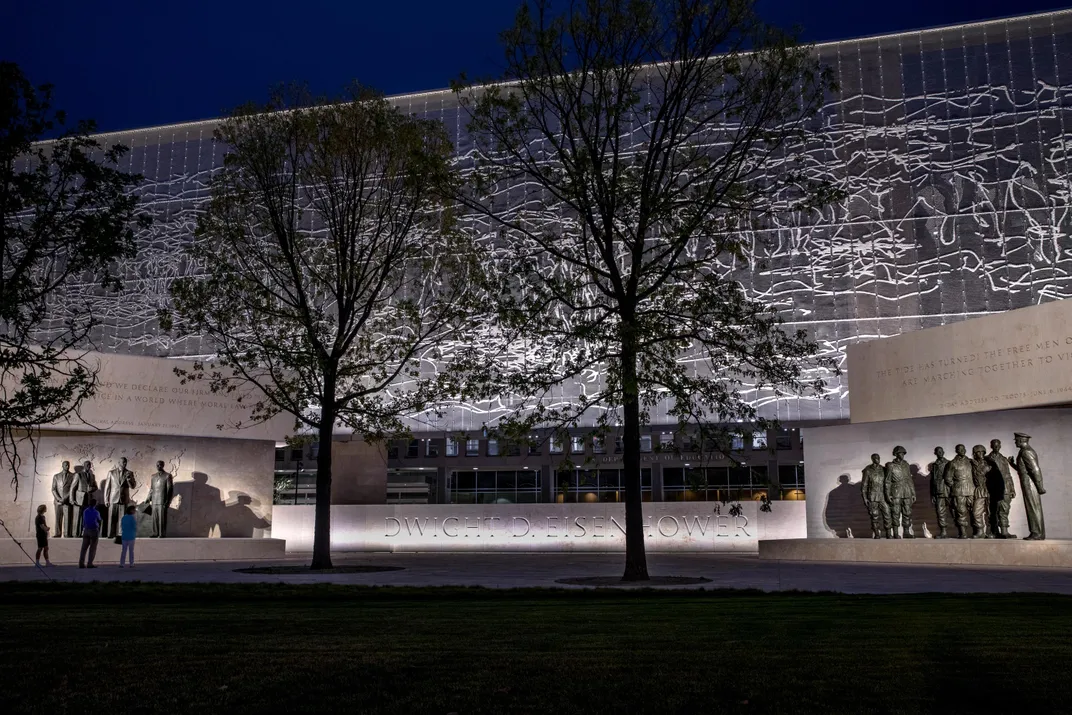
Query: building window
{"type": "Point", "coordinates": [736, 441]}
{"type": "Point", "coordinates": [759, 440]}
{"type": "Point", "coordinates": [783, 440]}
{"type": "Point", "coordinates": [472, 448]}
{"type": "Point", "coordinates": [452, 446]}
{"type": "Point", "coordinates": [281, 455]}
{"type": "Point", "coordinates": [666, 441]}
{"type": "Point", "coordinates": [493, 448]}
{"type": "Point", "coordinates": [645, 443]}
{"type": "Point", "coordinates": [577, 444]}
{"type": "Point", "coordinates": [597, 485]}
{"type": "Point", "coordinates": [489, 486]}
{"type": "Point", "coordinates": [556, 444]}
{"type": "Point", "coordinates": [598, 445]}
{"type": "Point", "coordinates": [738, 483]}
{"type": "Point", "coordinates": [294, 487]}
{"type": "Point", "coordinates": [392, 450]}
{"type": "Point", "coordinates": [513, 449]}
{"type": "Point", "coordinates": [295, 455]}
{"type": "Point", "coordinates": [431, 448]}
{"type": "Point", "coordinates": [413, 449]}
{"type": "Point", "coordinates": [535, 448]}
{"type": "Point", "coordinates": [411, 486]}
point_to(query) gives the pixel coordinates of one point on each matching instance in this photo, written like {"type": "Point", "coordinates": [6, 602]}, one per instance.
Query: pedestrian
{"type": "Point", "coordinates": [128, 528]}
{"type": "Point", "coordinates": [91, 523]}
{"type": "Point", "coordinates": [41, 527]}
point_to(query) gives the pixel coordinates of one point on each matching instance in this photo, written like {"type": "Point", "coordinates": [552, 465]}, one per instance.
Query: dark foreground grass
{"type": "Point", "coordinates": [225, 649]}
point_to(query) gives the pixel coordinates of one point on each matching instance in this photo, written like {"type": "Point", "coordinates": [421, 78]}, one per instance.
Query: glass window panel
{"type": "Point", "coordinates": [452, 447]}
{"type": "Point", "coordinates": [493, 448]}
{"type": "Point", "coordinates": [472, 447]}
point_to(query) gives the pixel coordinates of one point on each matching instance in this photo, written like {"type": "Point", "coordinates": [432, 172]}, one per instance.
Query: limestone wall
{"type": "Point", "coordinates": [223, 487]}
{"type": "Point", "coordinates": [834, 458]}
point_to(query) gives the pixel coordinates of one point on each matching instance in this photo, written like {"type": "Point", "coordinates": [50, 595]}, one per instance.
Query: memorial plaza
{"type": "Point", "coordinates": [937, 285]}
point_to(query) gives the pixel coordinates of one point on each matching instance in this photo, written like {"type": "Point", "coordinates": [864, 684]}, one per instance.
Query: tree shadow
{"type": "Point", "coordinates": [845, 509]}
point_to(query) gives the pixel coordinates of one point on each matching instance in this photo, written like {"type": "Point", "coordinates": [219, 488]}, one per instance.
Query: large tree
{"type": "Point", "coordinates": [332, 274]}
{"type": "Point", "coordinates": [638, 143]}
{"type": "Point", "coordinates": [67, 217]}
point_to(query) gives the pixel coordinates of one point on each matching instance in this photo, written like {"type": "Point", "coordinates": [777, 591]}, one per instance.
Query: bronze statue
{"type": "Point", "coordinates": [1002, 490]}
{"type": "Point", "coordinates": [62, 482]}
{"type": "Point", "coordinates": [900, 493]}
{"type": "Point", "coordinates": [961, 476]}
{"type": "Point", "coordinates": [980, 497]}
{"type": "Point", "coordinates": [160, 493]}
{"type": "Point", "coordinates": [940, 491]}
{"type": "Point", "coordinates": [117, 486]}
{"type": "Point", "coordinates": [1027, 464]}
{"type": "Point", "coordinates": [873, 489]}
{"type": "Point", "coordinates": [83, 488]}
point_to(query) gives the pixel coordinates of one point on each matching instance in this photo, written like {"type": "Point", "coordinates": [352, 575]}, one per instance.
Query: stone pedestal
{"type": "Point", "coordinates": [1055, 553]}
{"type": "Point", "coordinates": [64, 552]}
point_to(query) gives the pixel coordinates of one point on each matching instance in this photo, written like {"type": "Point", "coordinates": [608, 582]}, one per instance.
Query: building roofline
{"type": "Point", "coordinates": [818, 46]}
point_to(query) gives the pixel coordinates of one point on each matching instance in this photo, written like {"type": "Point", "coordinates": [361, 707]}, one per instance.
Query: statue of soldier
{"type": "Point", "coordinates": [981, 496]}
{"type": "Point", "coordinates": [900, 493]}
{"type": "Point", "coordinates": [117, 486]}
{"type": "Point", "coordinates": [1002, 490]}
{"type": "Point", "coordinates": [940, 491]}
{"type": "Point", "coordinates": [160, 493]}
{"type": "Point", "coordinates": [62, 482]}
{"type": "Point", "coordinates": [1027, 464]}
{"type": "Point", "coordinates": [873, 489]}
{"type": "Point", "coordinates": [962, 486]}
{"type": "Point", "coordinates": [83, 487]}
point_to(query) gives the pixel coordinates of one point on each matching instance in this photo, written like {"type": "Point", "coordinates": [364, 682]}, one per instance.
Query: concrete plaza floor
{"type": "Point", "coordinates": [542, 570]}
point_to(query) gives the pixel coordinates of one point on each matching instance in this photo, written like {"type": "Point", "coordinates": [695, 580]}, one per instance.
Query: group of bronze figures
{"type": "Point", "coordinates": [976, 491]}
{"type": "Point", "coordinates": [74, 492]}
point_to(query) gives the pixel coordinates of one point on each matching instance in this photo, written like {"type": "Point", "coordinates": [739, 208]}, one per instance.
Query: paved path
{"type": "Point", "coordinates": [527, 570]}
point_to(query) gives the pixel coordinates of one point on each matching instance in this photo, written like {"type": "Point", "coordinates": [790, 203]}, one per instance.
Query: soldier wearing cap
{"type": "Point", "coordinates": [940, 491]}
{"type": "Point", "coordinates": [1002, 490]}
{"type": "Point", "coordinates": [874, 493]}
{"type": "Point", "coordinates": [1027, 464]}
{"type": "Point", "coordinates": [981, 496]}
{"type": "Point", "coordinates": [961, 477]}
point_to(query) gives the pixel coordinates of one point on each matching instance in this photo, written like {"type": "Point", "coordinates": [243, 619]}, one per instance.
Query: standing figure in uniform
{"type": "Point", "coordinates": [980, 497]}
{"type": "Point", "coordinates": [873, 489]}
{"type": "Point", "coordinates": [62, 482]}
{"type": "Point", "coordinates": [1027, 464]}
{"type": "Point", "coordinates": [117, 486]}
{"type": "Point", "coordinates": [1002, 490]}
{"type": "Point", "coordinates": [900, 493]}
{"type": "Point", "coordinates": [160, 492]}
{"type": "Point", "coordinates": [83, 488]}
{"type": "Point", "coordinates": [940, 491]}
{"type": "Point", "coordinates": [961, 476]}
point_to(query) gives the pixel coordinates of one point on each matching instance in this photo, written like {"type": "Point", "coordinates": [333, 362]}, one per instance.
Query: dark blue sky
{"type": "Point", "coordinates": [134, 63]}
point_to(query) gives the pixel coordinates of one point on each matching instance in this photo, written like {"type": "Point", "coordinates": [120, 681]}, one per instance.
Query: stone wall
{"type": "Point", "coordinates": [834, 458]}
{"type": "Point", "coordinates": [692, 526]}
{"type": "Point", "coordinates": [223, 487]}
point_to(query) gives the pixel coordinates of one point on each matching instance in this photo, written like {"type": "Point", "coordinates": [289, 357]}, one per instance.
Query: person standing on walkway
{"type": "Point", "coordinates": [41, 528]}
{"type": "Point", "coordinates": [128, 529]}
{"type": "Point", "coordinates": [91, 523]}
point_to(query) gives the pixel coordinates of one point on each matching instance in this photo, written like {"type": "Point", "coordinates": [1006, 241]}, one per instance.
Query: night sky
{"type": "Point", "coordinates": [133, 63]}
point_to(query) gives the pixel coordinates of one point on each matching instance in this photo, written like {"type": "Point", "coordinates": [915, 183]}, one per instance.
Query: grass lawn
{"type": "Point", "coordinates": [68, 648]}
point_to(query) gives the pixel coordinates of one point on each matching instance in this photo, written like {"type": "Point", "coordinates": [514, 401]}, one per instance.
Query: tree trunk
{"type": "Point", "coordinates": [636, 562]}
{"type": "Point", "coordinates": [322, 522]}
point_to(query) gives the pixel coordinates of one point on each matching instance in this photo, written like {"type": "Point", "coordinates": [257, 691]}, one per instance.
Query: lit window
{"type": "Point", "coordinates": [472, 448]}
{"type": "Point", "coordinates": [493, 448]}
{"type": "Point", "coordinates": [759, 440]}
{"type": "Point", "coordinates": [598, 446]}
{"type": "Point", "coordinates": [666, 441]}
{"type": "Point", "coordinates": [645, 443]}
{"type": "Point", "coordinates": [736, 442]}
{"type": "Point", "coordinates": [452, 446]}
{"type": "Point", "coordinates": [577, 444]}
{"type": "Point", "coordinates": [556, 444]}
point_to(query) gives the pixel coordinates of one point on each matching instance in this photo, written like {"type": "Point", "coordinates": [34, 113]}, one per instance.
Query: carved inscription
{"type": "Point", "coordinates": [565, 527]}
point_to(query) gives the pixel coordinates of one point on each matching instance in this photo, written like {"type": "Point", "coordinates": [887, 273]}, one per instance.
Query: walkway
{"type": "Point", "coordinates": [541, 570]}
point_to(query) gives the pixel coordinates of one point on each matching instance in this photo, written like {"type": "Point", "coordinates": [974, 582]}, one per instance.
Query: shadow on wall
{"type": "Point", "coordinates": [199, 510]}
{"type": "Point", "coordinates": [845, 508]}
